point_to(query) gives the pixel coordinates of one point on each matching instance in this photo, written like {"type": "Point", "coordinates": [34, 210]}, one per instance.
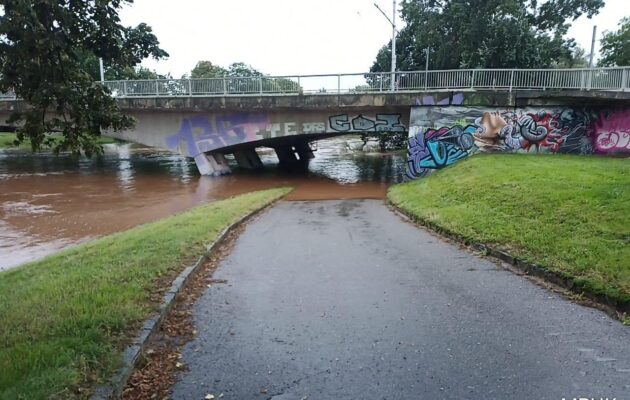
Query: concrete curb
{"type": "Point", "coordinates": [131, 355]}
{"type": "Point", "coordinates": [610, 306]}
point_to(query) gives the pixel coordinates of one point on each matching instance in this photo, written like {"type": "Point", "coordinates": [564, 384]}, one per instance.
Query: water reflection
{"type": "Point", "coordinates": [49, 202]}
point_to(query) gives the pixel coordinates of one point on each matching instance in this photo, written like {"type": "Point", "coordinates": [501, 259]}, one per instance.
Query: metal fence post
{"type": "Point", "coordinates": [189, 87]}
{"type": "Point", "coordinates": [299, 88]}
{"type": "Point", "coordinates": [157, 88]}
{"type": "Point", "coordinates": [125, 88]}
{"type": "Point", "coordinates": [381, 88]}
{"type": "Point", "coordinates": [472, 80]}
{"type": "Point", "coordinates": [511, 80]}
{"type": "Point", "coordinates": [260, 84]}
{"type": "Point", "coordinates": [590, 80]}
{"type": "Point", "coordinates": [225, 86]}
{"type": "Point", "coordinates": [339, 84]}
{"type": "Point", "coordinates": [624, 78]}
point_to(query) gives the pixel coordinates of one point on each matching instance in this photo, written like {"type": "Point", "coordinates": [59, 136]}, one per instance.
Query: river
{"type": "Point", "coordinates": [50, 202]}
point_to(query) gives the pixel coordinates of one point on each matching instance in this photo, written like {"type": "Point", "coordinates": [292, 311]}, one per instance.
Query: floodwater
{"type": "Point", "coordinates": [48, 203]}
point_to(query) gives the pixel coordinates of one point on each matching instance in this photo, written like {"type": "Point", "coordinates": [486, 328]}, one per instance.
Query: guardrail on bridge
{"type": "Point", "coordinates": [603, 79]}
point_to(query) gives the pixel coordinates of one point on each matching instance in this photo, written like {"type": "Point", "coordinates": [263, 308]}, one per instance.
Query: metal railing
{"type": "Point", "coordinates": [602, 79]}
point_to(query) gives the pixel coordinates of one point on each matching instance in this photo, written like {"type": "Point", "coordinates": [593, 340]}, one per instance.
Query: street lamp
{"type": "Point", "coordinates": [393, 22]}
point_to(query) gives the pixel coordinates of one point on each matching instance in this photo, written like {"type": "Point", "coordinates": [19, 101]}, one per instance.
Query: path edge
{"type": "Point", "coordinates": [131, 354]}
{"type": "Point", "coordinates": [612, 307]}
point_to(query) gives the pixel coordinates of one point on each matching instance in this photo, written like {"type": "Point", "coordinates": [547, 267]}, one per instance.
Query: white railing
{"type": "Point", "coordinates": [601, 79]}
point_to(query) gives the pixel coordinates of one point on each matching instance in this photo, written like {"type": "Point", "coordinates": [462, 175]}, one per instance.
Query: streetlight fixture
{"type": "Point", "coordinates": [393, 22]}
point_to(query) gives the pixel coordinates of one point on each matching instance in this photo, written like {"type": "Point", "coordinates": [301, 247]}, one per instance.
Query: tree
{"type": "Point", "coordinates": [485, 34]}
{"type": "Point", "coordinates": [615, 46]}
{"type": "Point", "coordinates": [45, 47]}
{"type": "Point", "coordinates": [205, 69]}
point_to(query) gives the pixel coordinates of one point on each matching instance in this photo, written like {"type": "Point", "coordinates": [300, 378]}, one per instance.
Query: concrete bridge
{"type": "Point", "coordinates": [448, 114]}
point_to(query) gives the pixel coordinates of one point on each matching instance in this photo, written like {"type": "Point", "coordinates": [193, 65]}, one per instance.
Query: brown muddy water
{"type": "Point", "coordinates": [48, 203]}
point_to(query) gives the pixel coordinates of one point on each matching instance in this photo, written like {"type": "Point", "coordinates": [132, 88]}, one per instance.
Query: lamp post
{"type": "Point", "coordinates": [393, 22]}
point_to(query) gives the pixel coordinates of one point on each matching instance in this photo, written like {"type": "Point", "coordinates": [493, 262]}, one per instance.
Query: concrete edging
{"type": "Point", "coordinates": [610, 306]}
{"type": "Point", "coordinates": [131, 355]}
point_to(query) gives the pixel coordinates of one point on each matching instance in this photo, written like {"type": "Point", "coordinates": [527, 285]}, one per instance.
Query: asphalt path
{"type": "Point", "coordinates": [345, 300]}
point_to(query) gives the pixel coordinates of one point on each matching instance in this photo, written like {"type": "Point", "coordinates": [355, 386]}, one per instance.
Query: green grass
{"type": "Point", "coordinates": [65, 319]}
{"type": "Point", "coordinates": [7, 142]}
{"type": "Point", "coordinates": [568, 214]}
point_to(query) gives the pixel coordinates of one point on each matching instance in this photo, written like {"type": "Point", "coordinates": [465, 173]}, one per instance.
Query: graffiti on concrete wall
{"type": "Point", "coordinates": [360, 123]}
{"type": "Point", "coordinates": [612, 133]}
{"type": "Point", "coordinates": [526, 130]}
{"type": "Point", "coordinates": [205, 133]}
{"type": "Point", "coordinates": [201, 133]}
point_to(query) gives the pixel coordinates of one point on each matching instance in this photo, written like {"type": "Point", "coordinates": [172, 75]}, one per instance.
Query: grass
{"type": "Point", "coordinates": [568, 214]}
{"type": "Point", "coordinates": [7, 142]}
{"type": "Point", "coordinates": [66, 318]}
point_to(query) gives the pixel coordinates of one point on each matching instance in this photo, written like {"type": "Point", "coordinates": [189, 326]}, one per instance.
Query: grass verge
{"type": "Point", "coordinates": [65, 319]}
{"type": "Point", "coordinates": [570, 215]}
{"type": "Point", "coordinates": [7, 141]}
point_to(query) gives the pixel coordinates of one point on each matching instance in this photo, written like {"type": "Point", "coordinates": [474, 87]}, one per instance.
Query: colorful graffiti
{"type": "Point", "coordinates": [202, 133]}
{"type": "Point", "coordinates": [527, 130]}
{"type": "Point", "coordinates": [199, 134]}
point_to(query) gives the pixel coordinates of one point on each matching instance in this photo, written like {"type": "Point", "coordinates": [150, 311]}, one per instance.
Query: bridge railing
{"type": "Point", "coordinates": [606, 79]}
{"type": "Point", "coordinates": [610, 79]}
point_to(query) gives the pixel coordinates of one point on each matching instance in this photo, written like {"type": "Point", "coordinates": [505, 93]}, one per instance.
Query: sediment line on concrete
{"type": "Point", "coordinates": [131, 355]}
{"type": "Point", "coordinates": [613, 308]}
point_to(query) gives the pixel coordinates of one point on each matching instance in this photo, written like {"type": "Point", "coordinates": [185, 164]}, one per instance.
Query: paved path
{"type": "Point", "coordinates": [344, 300]}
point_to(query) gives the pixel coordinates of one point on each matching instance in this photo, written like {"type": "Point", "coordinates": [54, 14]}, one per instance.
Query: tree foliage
{"type": "Point", "coordinates": [615, 46]}
{"type": "Point", "coordinates": [485, 34]}
{"type": "Point", "coordinates": [206, 69]}
{"type": "Point", "coordinates": [48, 52]}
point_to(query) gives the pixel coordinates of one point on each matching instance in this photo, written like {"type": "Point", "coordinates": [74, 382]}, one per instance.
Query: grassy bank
{"type": "Point", "coordinates": [64, 319]}
{"type": "Point", "coordinates": [568, 214]}
{"type": "Point", "coordinates": [7, 142]}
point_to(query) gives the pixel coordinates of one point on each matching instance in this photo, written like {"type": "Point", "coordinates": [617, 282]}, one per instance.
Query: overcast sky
{"type": "Point", "coordinates": [287, 37]}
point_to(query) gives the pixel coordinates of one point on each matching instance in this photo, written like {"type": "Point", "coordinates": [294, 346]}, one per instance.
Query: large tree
{"type": "Point", "coordinates": [615, 50]}
{"type": "Point", "coordinates": [485, 34]}
{"type": "Point", "coordinates": [47, 53]}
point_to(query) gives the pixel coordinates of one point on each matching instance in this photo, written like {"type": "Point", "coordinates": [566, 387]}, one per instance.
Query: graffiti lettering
{"type": "Point", "coordinates": [550, 131]}
{"type": "Point", "coordinates": [382, 123]}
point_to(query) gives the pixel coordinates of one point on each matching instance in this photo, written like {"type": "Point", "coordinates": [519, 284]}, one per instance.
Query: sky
{"type": "Point", "coordinates": [290, 37]}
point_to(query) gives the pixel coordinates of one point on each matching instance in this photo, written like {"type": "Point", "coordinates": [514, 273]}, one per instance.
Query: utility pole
{"type": "Point", "coordinates": [590, 61]}
{"type": "Point", "coordinates": [100, 64]}
{"type": "Point", "coordinates": [393, 23]}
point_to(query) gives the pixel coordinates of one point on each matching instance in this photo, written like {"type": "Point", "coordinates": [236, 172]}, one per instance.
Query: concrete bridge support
{"type": "Point", "coordinates": [213, 164]}
{"type": "Point", "coordinates": [286, 155]}
{"type": "Point", "coordinates": [248, 159]}
{"type": "Point", "coordinates": [304, 151]}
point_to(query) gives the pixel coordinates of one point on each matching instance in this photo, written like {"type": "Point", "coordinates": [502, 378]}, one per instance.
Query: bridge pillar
{"type": "Point", "coordinates": [212, 164]}
{"type": "Point", "coordinates": [286, 154]}
{"type": "Point", "coordinates": [248, 159]}
{"type": "Point", "coordinates": [304, 151]}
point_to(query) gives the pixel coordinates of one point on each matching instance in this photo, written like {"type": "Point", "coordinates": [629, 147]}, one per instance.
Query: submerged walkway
{"type": "Point", "coordinates": [344, 300]}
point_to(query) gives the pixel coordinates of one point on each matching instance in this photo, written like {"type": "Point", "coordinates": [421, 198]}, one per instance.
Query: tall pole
{"type": "Point", "coordinates": [426, 67]}
{"type": "Point", "coordinates": [590, 61]}
{"type": "Point", "coordinates": [100, 64]}
{"type": "Point", "coordinates": [394, 47]}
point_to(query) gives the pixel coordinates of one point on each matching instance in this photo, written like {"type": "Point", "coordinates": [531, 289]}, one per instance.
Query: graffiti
{"type": "Point", "coordinates": [199, 134]}
{"type": "Point", "coordinates": [202, 134]}
{"type": "Point", "coordinates": [526, 130]}
{"type": "Point", "coordinates": [612, 133]}
{"type": "Point", "coordinates": [436, 149]}
{"type": "Point", "coordinates": [382, 123]}
{"type": "Point", "coordinates": [458, 99]}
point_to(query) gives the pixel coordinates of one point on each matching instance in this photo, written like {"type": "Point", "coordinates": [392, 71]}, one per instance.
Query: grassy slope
{"type": "Point", "coordinates": [7, 139]}
{"type": "Point", "coordinates": [65, 318]}
{"type": "Point", "coordinates": [569, 214]}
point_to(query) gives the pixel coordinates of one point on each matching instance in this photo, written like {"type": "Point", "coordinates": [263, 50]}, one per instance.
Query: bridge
{"type": "Point", "coordinates": [448, 114]}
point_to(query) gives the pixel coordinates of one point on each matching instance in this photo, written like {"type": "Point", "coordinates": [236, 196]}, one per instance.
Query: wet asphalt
{"type": "Point", "coordinates": [345, 300]}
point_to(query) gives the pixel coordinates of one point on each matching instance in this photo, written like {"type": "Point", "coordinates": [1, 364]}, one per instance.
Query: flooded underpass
{"type": "Point", "coordinates": [48, 203]}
